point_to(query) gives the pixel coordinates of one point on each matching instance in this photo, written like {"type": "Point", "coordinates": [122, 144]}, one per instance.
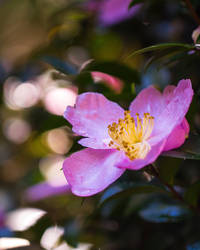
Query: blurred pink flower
{"type": "Point", "coordinates": [44, 190]}
{"type": "Point", "coordinates": [112, 82]}
{"type": "Point", "coordinates": [2, 218]}
{"type": "Point", "coordinates": [110, 12]}
{"type": "Point", "coordinates": [118, 139]}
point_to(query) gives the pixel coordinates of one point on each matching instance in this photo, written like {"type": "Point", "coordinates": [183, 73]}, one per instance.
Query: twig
{"type": "Point", "coordinates": [192, 11]}
{"type": "Point", "coordinates": [172, 189]}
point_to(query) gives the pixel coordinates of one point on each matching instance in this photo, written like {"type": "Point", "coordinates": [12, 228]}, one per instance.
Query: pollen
{"type": "Point", "coordinates": [131, 134]}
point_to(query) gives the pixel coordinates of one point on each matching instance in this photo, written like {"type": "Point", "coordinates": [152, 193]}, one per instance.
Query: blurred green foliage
{"type": "Point", "coordinates": [66, 39]}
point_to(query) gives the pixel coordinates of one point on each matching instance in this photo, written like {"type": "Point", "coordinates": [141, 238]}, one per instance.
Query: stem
{"type": "Point", "coordinates": [173, 191]}
{"type": "Point", "coordinates": [192, 11]}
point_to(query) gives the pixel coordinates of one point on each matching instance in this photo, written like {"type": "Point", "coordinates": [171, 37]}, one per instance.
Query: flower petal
{"type": "Point", "coordinates": [114, 11]}
{"type": "Point", "coordinates": [91, 116]}
{"type": "Point", "coordinates": [168, 93]}
{"type": "Point", "coordinates": [89, 171]}
{"type": "Point", "coordinates": [174, 112]}
{"type": "Point", "coordinates": [140, 163]}
{"type": "Point", "coordinates": [149, 100]}
{"type": "Point", "coordinates": [177, 136]}
{"type": "Point", "coordinates": [43, 190]}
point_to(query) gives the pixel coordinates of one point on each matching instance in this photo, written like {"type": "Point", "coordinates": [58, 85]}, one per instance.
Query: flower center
{"type": "Point", "coordinates": [130, 135]}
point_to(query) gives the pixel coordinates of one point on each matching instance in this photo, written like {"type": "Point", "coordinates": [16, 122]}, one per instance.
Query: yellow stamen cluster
{"type": "Point", "coordinates": [130, 135]}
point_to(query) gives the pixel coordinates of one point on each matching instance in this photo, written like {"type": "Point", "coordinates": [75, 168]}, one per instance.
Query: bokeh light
{"type": "Point", "coordinates": [19, 95]}
{"type": "Point", "coordinates": [58, 140]}
{"type": "Point", "coordinates": [51, 168]}
{"type": "Point", "coordinates": [16, 130]}
{"type": "Point", "coordinates": [57, 99]}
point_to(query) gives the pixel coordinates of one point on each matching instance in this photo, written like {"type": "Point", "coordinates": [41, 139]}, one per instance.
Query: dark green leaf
{"type": "Point", "coordinates": [180, 154]}
{"type": "Point", "coordinates": [167, 173]}
{"type": "Point", "coordinates": [160, 212]}
{"type": "Point", "coordinates": [180, 56]}
{"type": "Point", "coordinates": [167, 54]}
{"type": "Point", "coordinates": [119, 70]}
{"type": "Point", "coordinates": [193, 193]}
{"type": "Point", "coordinates": [71, 233]}
{"type": "Point", "coordinates": [192, 145]}
{"type": "Point", "coordinates": [194, 246]}
{"type": "Point", "coordinates": [123, 190]}
{"type": "Point", "coordinates": [189, 150]}
{"type": "Point", "coordinates": [162, 46]}
{"type": "Point", "coordinates": [60, 65]}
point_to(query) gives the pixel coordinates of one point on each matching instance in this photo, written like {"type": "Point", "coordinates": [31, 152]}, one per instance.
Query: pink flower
{"type": "Point", "coordinates": [118, 139]}
{"type": "Point", "coordinates": [110, 12]}
{"type": "Point", "coordinates": [111, 81]}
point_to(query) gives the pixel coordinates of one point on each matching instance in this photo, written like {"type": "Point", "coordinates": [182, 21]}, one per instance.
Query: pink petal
{"type": "Point", "coordinates": [43, 190]}
{"type": "Point", "coordinates": [90, 118]}
{"type": "Point", "coordinates": [149, 100]}
{"type": "Point", "coordinates": [168, 93]}
{"type": "Point", "coordinates": [140, 163]}
{"type": "Point", "coordinates": [174, 112]}
{"type": "Point", "coordinates": [114, 11]}
{"type": "Point", "coordinates": [111, 81]}
{"type": "Point", "coordinates": [89, 171]}
{"type": "Point", "coordinates": [177, 136]}
{"type": "Point", "coordinates": [180, 132]}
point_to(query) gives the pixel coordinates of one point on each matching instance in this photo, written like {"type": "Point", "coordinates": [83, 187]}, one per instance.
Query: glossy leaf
{"type": "Point", "coordinates": [113, 68]}
{"type": "Point", "coordinates": [189, 150]}
{"type": "Point", "coordinates": [119, 191]}
{"type": "Point", "coordinates": [166, 57]}
{"type": "Point", "coordinates": [160, 212]}
{"type": "Point", "coordinates": [162, 46]}
{"type": "Point", "coordinates": [180, 154]}
{"type": "Point", "coordinates": [194, 246]}
{"type": "Point", "coordinates": [192, 195]}
{"type": "Point", "coordinates": [60, 65]}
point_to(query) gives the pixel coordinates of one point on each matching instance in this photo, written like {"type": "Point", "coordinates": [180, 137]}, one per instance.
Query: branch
{"type": "Point", "coordinates": [192, 11]}
{"type": "Point", "coordinates": [172, 190]}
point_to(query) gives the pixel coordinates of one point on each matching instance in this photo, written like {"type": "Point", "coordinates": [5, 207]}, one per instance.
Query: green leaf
{"type": "Point", "coordinates": [193, 193]}
{"type": "Point", "coordinates": [71, 233]}
{"type": "Point", "coordinates": [124, 190]}
{"type": "Point", "coordinates": [192, 145]}
{"type": "Point", "coordinates": [60, 65]}
{"type": "Point", "coordinates": [167, 173]}
{"type": "Point", "coordinates": [162, 46]}
{"type": "Point", "coordinates": [113, 68]}
{"type": "Point", "coordinates": [189, 150]}
{"type": "Point", "coordinates": [194, 246]}
{"type": "Point", "coordinates": [162, 212]}
{"type": "Point", "coordinates": [167, 54]}
{"type": "Point", "coordinates": [180, 154]}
